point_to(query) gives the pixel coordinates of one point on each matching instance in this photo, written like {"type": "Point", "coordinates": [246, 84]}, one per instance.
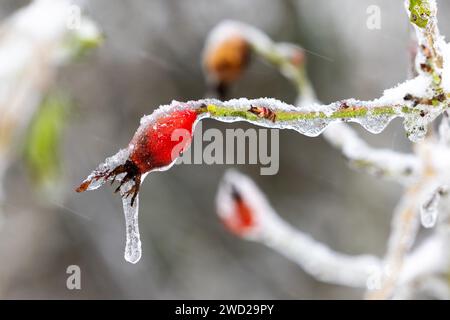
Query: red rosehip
{"type": "Point", "coordinates": [243, 219]}
{"type": "Point", "coordinates": [151, 148]}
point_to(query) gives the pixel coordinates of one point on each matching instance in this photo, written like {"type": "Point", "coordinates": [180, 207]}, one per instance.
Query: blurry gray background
{"type": "Point", "coordinates": [150, 56]}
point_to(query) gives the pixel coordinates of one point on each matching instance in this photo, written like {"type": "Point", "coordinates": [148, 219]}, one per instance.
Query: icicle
{"type": "Point", "coordinates": [429, 209]}
{"type": "Point", "coordinates": [375, 124]}
{"type": "Point", "coordinates": [133, 250]}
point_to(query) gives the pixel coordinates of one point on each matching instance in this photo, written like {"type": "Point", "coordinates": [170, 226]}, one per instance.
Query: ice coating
{"type": "Point", "coordinates": [312, 119]}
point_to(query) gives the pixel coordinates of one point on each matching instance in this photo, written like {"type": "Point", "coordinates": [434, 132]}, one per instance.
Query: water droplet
{"type": "Point", "coordinates": [429, 208]}
{"type": "Point", "coordinates": [375, 124]}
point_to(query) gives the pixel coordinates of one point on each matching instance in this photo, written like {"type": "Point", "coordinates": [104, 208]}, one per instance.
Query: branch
{"type": "Point", "coordinates": [405, 225]}
{"type": "Point", "coordinates": [246, 212]}
{"type": "Point", "coordinates": [429, 63]}
{"type": "Point", "coordinates": [403, 232]}
{"type": "Point", "coordinates": [426, 270]}
{"type": "Point", "coordinates": [290, 60]}
{"type": "Point", "coordinates": [429, 60]}
{"type": "Point", "coordinates": [227, 52]}
{"type": "Point", "coordinates": [154, 147]}
{"type": "Point", "coordinates": [225, 56]}
{"type": "Point", "coordinates": [312, 119]}
{"type": "Point", "coordinates": [385, 163]}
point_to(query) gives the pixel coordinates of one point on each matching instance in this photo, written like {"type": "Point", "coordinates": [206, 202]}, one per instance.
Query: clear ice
{"type": "Point", "coordinates": [133, 250]}
{"type": "Point", "coordinates": [429, 209]}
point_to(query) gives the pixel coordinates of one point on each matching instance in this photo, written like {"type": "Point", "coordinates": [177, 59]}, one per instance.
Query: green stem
{"type": "Point", "coordinates": [297, 73]}
{"type": "Point", "coordinates": [347, 111]}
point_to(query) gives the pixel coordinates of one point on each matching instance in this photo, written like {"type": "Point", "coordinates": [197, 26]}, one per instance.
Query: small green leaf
{"type": "Point", "coordinates": [43, 140]}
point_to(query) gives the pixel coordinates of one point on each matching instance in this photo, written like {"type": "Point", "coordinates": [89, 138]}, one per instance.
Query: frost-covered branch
{"type": "Point", "coordinates": [312, 119]}
{"type": "Point", "coordinates": [424, 194]}
{"type": "Point", "coordinates": [429, 58]}
{"type": "Point", "coordinates": [406, 168]}
{"type": "Point", "coordinates": [425, 273]}
{"type": "Point", "coordinates": [152, 148]}
{"type": "Point", "coordinates": [246, 212]}
{"type": "Point", "coordinates": [309, 120]}
{"type": "Point", "coordinates": [384, 163]}
{"type": "Point", "coordinates": [290, 60]}
{"type": "Point", "coordinates": [403, 232]}
{"type": "Point", "coordinates": [405, 222]}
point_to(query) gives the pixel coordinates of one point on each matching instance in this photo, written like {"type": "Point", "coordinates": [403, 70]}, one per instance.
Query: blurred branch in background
{"type": "Point", "coordinates": [34, 42]}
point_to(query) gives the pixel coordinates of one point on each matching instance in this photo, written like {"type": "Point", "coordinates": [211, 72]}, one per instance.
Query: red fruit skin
{"type": "Point", "coordinates": [153, 144]}
{"type": "Point", "coordinates": [242, 221]}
